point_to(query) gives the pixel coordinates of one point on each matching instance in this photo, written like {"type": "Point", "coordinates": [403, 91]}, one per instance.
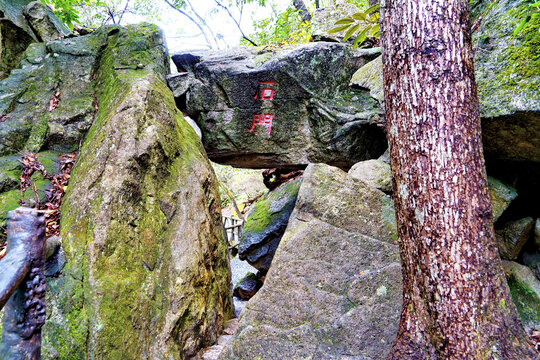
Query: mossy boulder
{"type": "Point", "coordinates": [15, 34]}
{"type": "Point", "coordinates": [525, 289]}
{"type": "Point", "coordinates": [265, 108]}
{"type": "Point", "coordinates": [146, 273]}
{"type": "Point", "coordinates": [369, 77]}
{"type": "Point", "coordinates": [57, 69]}
{"type": "Point", "coordinates": [506, 67]}
{"type": "Point", "coordinates": [266, 224]}
{"type": "Point", "coordinates": [334, 287]}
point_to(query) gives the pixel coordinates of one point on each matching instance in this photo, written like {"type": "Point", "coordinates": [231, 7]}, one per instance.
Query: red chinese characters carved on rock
{"type": "Point", "coordinates": [266, 93]}
{"type": "Point", "coordinates": [262, 119]}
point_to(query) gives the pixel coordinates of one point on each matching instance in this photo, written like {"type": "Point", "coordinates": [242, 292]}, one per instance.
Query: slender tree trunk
{"type": "Point", "coordinates": [304, 12]}
{"type": "Point", "coordinates": [456, 303]}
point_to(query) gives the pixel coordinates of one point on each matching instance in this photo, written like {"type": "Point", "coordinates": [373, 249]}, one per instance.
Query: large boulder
{"type": "Point", "coordinates": [146, 273]}
{"type": "Point", "coordinates": [334, 288]}
{"type": "Point", "coordinates": [15, 34]}
{"type": "Point", "coordinates": [286, 108]}
{"type": "Point", "coordinates": [45, 24]}
{"type": "Point", "coordinates": [512, 236]}
{"type": "Point", "coordinates": [525, 289]}
{"type": "Point", "coordinates": [266, 224]}
{"type": "Point", "coordinates": [316, 117]}
{"type": "Point", "coordinates": [506, 67]}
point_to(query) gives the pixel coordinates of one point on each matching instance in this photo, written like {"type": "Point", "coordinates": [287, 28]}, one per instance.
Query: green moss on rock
{"type": "Point", "coordinates": [147, 273]}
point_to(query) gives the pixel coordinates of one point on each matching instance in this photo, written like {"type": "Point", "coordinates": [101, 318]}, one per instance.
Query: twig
{"type": "Point", "coordinates": [236, 22]}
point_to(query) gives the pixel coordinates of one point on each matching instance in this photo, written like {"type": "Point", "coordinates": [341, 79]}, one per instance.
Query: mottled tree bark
{"type": "Point", "coordinates": [304, 12]}
{"type": "Point", "coordinates": [456, 304]}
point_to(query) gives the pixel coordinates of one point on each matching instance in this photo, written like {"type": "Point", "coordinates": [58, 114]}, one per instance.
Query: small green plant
{"type": "Point", "coordinates": [285, 27]}
{"type": "Point", "coordinates": [534, 10]}
{"type": "Point", "coordinates": [363, 23]}
{"type": "Point", "coordinates": [68, 10]}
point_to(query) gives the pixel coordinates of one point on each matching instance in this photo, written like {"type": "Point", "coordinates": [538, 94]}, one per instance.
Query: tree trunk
{"type": "Point", "coordinates": [304, 12]}
{"type": "Point", "coordinates": [456, 303]}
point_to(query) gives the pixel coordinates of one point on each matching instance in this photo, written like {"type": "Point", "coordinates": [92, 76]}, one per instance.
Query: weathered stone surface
{"type": "Point", "coordinates": [64, 67]}
{"type": "Point", "coordinates": [266, 224]}
{"type": "Point", "coordinates": [374, 173]}
{"type": "Point", "coordinates": [532, 260]}
{"type": "Point", "coordinates": [247, 287]}
{"type": "Point", "coordinates": [525, 289]}
{"type": "Point", "coordinates": [316, 116]}
{"type": "Point", "coordinates": [334, 288]}
{"type": "Point", "coordinates": [501, 196]}
{"type": "Point", "coordinates": [15, 34]}
{"type": "Point", "coordinates": [45, 24]}
{"type": "Point", "coordinates": [369, 77]}
{"type": "Point", "coordinates": [147, 274]}
{"type": "Point", "coordinates": [512, 236]}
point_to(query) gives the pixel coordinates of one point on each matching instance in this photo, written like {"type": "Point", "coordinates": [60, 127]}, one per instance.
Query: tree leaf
{"type": "Point", "coordinates": [372, 9]}
{"type": "Point", "coordinates": [359, 16]}
{"type": "Point", "coordinates": [374, 29]}
{"type": "Point", "coordinates": [350, 32]}
{"type": "Point", "coordinates": [360, 38]}
{"type": "Point", "coordinates": [338, 29]}
{"type": "Point", "coordinates": [344, 21]}
{"type": "Point", "coordinates": [522, 25]}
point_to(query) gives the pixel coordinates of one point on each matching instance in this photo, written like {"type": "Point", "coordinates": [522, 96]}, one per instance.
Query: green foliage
{"type": "Point", "coordinates": [68, 10]}
{"type": "Point", "coordinates": [363, 23]}
{"type": "Point", "coordinates": [286, 27]}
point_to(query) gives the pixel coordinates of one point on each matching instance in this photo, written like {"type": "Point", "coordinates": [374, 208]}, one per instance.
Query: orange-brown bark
{"type": "Point", "coordinates": [456, 302]}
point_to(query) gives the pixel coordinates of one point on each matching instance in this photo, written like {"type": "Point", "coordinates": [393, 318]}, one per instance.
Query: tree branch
{"type": "Point", "coordinates": [122, 13]}
{"type": "Point", "coordinates": [203, 22]}
{"type": "Point", "coordinates": [193, 21]}
{"type": "Point", "coordinates": [236, 22]}
{"type": "Point", "coordinates": [301, 7]}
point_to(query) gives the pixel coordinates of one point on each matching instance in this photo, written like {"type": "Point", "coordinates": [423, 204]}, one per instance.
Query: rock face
{"type": "Point", "coordinates": [525, 289]}
{"type": "Point", "coordinates": [375, 173]}
{"type": "Point", "coordinates": [280, 109]}
{"type": "Point", "coordinates": [15, 34]}
{"type": "Point", "coordinates": [266, 224]}
{"type": "Point", "coordinates": [334, 288]}
{"type": "Point", "coordinates": [513, 236]}
{"type": "Point", "coordinates": [147, 274]}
